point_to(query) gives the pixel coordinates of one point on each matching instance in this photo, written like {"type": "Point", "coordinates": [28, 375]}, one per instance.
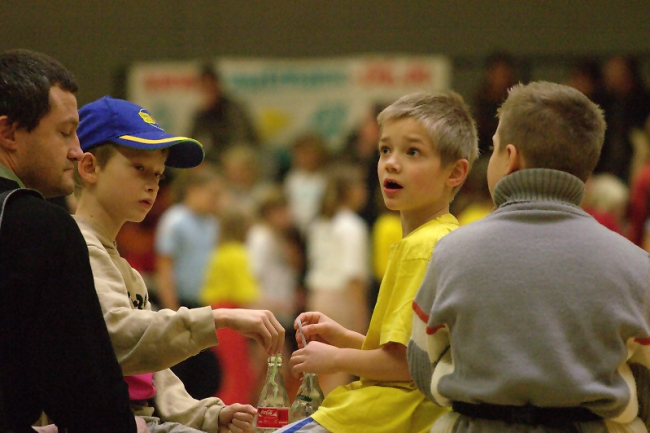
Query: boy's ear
{"type": "Point", "coordinates": [515, 159]}
{"type": "Point", "coordinates": [458, 173]}
{"type": "Point", "coordinates": [88, 168]}
{"type": "Point", "coordinates": [7, 133]}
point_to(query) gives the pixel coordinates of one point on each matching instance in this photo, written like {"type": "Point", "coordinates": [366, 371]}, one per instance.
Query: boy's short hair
{"type": "Point", "coordinates": [554, 126]}
{"type": "Point", "coordinates": [103, 154]}
{"type": "Point", "coordinates": [447, 119]}
{"type": "Point", "coordinates": [26, 78]}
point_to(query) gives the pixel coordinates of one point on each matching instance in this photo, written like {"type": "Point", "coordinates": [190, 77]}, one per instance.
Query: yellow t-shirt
{"type": "Point", "coordinates": [229, 277]}
{"type": "Point", "coordinates": [374, 406]}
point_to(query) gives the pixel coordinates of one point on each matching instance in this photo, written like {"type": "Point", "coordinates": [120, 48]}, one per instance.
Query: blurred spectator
{"type": "Point", "coordinates": [230, 283]}
{"type": "Point", "coordinates": [606, 199]}
{"type": "Point", "coordinates": [361, 148]}
{"type": "Point", "coordinates": [243, 177]}
{"type": "Point", "coordinates": [338, 266]}
{"type": "Point", "coordinates": [221, 121]}
{"type": "Point", "coordinates": [185, 238]}
{"type": "Point", "coordinates": [629, 109]}
{"type": "Point", "coordinates": [277, 258]}
{"type": "Point", "coordinates": [639, 208]}
{"type": "Point", "coordinates": [499, 76]}
{"type": "Point", "coordinates": [305, 182]}
{"type": "Point", "coordinates": [586, 76]}
{"type": "Point", "coordinates": [276, 261]}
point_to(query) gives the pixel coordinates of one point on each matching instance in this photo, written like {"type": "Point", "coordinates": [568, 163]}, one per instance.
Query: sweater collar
{"type": "Point", "coordinates": [98, 230]}
{"type": "Point", "coordinates": [539, 184]}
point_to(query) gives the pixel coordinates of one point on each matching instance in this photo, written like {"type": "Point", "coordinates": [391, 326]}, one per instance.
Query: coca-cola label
{"type": "Point", "coordinates": [272, 417]}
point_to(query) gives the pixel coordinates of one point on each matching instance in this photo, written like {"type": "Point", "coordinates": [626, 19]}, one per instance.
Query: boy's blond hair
{"type": "Point", "coordinates": [553, 126]}
{"type": "Point", "coordinates": [447, 119]}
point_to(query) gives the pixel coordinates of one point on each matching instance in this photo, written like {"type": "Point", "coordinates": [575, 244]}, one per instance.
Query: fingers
{"type": "Point", "coordinates": [272, 333]}
{"type": "Point", "coordinates": [243, 411]}
{"type": "Point", "coordinates": [309, 317]}
{"type": "Point", "coordinates": [243, 421]}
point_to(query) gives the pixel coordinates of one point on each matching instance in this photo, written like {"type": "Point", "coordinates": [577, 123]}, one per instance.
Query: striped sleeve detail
{"type": "Point", "coordinates": [421, 314]}
{"type": "Point", "coordinates": [431, 331]}
{"type": "Point", "coordinates": [643, 341]}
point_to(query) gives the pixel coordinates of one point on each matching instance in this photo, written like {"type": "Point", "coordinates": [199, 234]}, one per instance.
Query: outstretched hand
{"type": "Point", "coordinates": [237, 418]}
{"type": "Point", "coordinates": [316, 357]}
{"type": "Point", "coordinates": [318, 327]}
{"type": "Point", "coordinates": [260, 325]}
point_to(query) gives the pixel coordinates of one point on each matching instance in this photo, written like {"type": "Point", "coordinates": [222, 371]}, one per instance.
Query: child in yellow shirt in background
{"type": "Point", "coordinates": [427, 145]}
{"type": "Point", "coordinates": [117, 180]}
{"type": "Point", "coordinates": [230, 283]}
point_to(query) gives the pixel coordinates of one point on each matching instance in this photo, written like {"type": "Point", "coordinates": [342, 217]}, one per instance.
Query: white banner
{"type": "Point", "coordinates": [286, 97]}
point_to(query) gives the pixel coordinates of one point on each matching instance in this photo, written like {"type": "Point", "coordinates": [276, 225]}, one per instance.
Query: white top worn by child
{"type": "Point", "coordinates": [117, 181]}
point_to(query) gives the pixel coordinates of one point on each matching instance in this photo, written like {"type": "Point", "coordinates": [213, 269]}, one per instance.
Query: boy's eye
{"type": "Point", "coordinates": [383, 150]}
{"type": "Point", "coordinates": [139, 167]}
{"type": "Point", "coordinates": [160, 176]}
{"type": "Point", "coordinates": [413, 152]}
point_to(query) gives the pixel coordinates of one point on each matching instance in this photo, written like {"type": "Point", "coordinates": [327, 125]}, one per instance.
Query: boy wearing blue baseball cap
{"type": "Point", "coordinates": [117, 181]}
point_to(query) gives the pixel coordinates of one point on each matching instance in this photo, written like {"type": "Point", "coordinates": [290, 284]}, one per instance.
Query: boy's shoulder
{"type": "Point", "coordinates": [89, 233]}
{"type": "Point", "coordinates": [419, 244]}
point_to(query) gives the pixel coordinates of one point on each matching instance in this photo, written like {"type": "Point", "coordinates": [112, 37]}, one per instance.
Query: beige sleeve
{"type": "Point", "coordinates": [146, 341]}
{"type": "Point", "coordinates": [176, 405]}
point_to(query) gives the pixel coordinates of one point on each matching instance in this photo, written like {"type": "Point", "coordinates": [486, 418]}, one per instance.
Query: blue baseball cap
{"type": "Point", "coordinates": [127, 124]}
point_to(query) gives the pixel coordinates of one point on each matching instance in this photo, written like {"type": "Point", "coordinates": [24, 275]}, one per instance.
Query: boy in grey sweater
{"type": "Point", "coordinates": [534, 318]}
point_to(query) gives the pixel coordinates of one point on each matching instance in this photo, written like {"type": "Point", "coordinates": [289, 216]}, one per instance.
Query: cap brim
{"type": "Point", "coordinates": [184, 152]}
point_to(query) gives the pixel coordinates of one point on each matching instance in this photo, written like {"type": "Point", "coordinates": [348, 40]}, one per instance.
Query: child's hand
{"type": "Point", "coordinates": [316, 357]}
{"type": "Point", "coordinates": [318, 327]}
{"type": "Point", "coordinates": [260, 325]}
{"type": "Point", "coordinates": [237, 418]}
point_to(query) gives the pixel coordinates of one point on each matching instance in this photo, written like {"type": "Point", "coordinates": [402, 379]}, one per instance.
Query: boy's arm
{"type": "Point", "coordinates": [211, 415]}
{"type": "Point", "coordinates": [388, 363]}
{"type": "Point", "coordinates": [146, 340]}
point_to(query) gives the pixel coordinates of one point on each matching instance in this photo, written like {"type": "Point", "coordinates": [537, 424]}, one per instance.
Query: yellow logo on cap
{"type": "Point", "coordinates": [147, 117]}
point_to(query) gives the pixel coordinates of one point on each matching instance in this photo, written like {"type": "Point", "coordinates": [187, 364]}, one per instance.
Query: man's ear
{"type": "Point", "coordinates": [7, 133]}
{"type": "Point", "coordinates": [458, 173]}
{"type": "Point", "coordinates": [88, 168]}
{"type": "Point", "coordinates": [515, 159]}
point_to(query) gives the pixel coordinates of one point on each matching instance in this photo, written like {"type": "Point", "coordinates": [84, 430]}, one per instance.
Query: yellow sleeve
{"type": "Point", "coordinates": [398, 321]}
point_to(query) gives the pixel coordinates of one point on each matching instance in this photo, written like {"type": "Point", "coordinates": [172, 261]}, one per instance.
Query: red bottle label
{"type": "Point", "coordinates": [272, 417]}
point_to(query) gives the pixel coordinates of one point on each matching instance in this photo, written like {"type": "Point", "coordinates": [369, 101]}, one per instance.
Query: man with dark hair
{"type": "Point", "coordinates": [55, 352]}
{"type": "Point", "coordinates": [222, 122]}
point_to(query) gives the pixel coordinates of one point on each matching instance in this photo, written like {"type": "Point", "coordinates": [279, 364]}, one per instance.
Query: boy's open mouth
{"type": "Point", "coordinates": [391, 184]}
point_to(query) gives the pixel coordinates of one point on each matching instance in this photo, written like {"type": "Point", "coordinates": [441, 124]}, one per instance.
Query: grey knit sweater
{"type": "Point", "coordinates": [537, 303]}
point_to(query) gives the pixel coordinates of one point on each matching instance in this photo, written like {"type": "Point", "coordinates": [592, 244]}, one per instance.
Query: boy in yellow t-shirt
{"type": "Point", "coordinates": [427, 145]}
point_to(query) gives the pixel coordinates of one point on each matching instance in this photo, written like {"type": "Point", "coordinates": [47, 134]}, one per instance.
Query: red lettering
{"type": "Point", "coordinates": [417, 74]}
{"type": "Point", "coordinates": [170, 82]}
